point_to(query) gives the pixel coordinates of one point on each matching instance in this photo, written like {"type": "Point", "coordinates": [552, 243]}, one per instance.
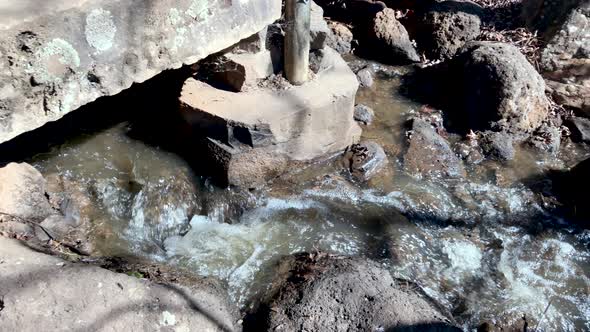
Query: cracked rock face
{"type": "Point", "coordinates": [346, 294]}
{"type": "Point", "coordinates": [54, 59]}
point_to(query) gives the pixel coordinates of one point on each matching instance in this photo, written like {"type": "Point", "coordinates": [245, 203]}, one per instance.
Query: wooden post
{"type": "Point", "coordinates": [297, 39]}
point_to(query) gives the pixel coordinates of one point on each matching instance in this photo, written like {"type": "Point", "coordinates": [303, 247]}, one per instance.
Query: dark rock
{"type": "Point", "coordinates": [488, 85]}
{"type": "Point", "coordinates": [357, 12]}
{"type": "Point", "coordinates": [344, 294]}
{"type": "Point", "coordinates": [340, 38]}
{"type": "Point", "coordinates": [365, 160]}
{"type": "Point", "coordinates": [497, 145]}
{"type": "Point", "coordinates": [580, 128]}
{"type": "Point", "coordinates": [365, 77]}
{"type": "Point", "coordinates": [547, 139]}
{"type": "Point", "coordinates": [445, 27]}
{"type": "Point", "coordinates": [388, 40]}
{"type": "Point", "coordinates": [223, 73]}
{"type": "Point", "coordinates": [363, 114]}
{"type": "Point", "coordinates": [571, 188]}
{"type": "Point", "coordinates": [429, 154]}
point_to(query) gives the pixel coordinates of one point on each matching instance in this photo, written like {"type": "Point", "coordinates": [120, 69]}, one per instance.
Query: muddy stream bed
{"type": "Point", "coordinates": [485, 247]}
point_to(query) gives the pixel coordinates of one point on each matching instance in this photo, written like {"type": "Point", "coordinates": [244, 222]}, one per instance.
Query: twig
{"type": "Point", "coordinates": [543, 316]}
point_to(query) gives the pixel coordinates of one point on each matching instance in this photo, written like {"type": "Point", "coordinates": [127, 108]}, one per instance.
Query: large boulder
{"type": "Point", "coordinates": [388, 40]}
{"type": "Point", "coordinates": [345, 294]}
{"type": "Point", "coordinates": [445, 27]}
{"type": "Point", "coordinates": [429, 154]}
{"type": "Point", "coordinates": [22, 193]}
{"type": "Point", "coordinates": [45, 292]}
{"type": "Point", "coordinates": [488, 85]}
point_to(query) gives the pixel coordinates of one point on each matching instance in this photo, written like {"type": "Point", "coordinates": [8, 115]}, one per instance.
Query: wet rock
{"type": "Point", "coordinates": [340, 38]}
{"type": "Point", "coordinates": [580, 129]}
{"type": "Point", "coordinates": [363, 114]}
{"type": "Point", "coordinates": [547, 139]}
{"type": "Point", "coordinates": [488, 85]}
{"type": "Point", "coordinates": [429, 154]}
{"type": "Point", "coordinates": [497, 145]}
{"type": "Point", "coordinates": [244, 166]}
{"type": "Point", "coordinates": [22, 193]}
{"type": "Point", "coordinates": [365, 77]}
{"type": "Point", "coordinates": [389, 41]}
{"type": "Point", "coordinates": [340, 294]}
{"type": "Point", "coordinates": [571, 95]}
{"type": "Point", "coordinates": [82, 297]}
{"type": "Point", "coordinates": [365, 160]}
{"type": "Point", "coordinates": [445, 27]}
{"type": "Point", "coordinates": [54, 227]}
{"type": "Point", "coordinates": [318, 28]}
{"type": "Point", "coordinates": [164, 206]}
{"type": "Point", "coordinates": [470, 153]}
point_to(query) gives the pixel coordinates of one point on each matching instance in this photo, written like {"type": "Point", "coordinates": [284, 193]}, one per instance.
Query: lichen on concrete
{"type": "Point", "coordinates": [100, 30]}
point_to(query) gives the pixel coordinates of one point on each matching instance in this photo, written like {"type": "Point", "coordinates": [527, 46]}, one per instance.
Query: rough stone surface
{"type": "Point", "coordinates": [244, 166]}
{"type": "Point", "coordinates": [547, 139]}
{"type": "Point", "coordinates": [302, 122]}
{"type": "Point", "coordinates": [497, 145]}
{"type": "Point", "coordinates": [48, 293]}
{"type": "Point", "coordinates": [64, 54]}
{"type": "Point", "coordinates": [445, 27]}
{"type": "Point", "coordinates": [580, 128]}
{"type": "Point", "coordinates": [365, 77]}
{"type": "Point", "coordinates": [488, 85]}
{"type": "Point", "coordinates": [22, 193]}
{"type": "Point", "coordinates": [340, 38]}
{"type": "Point", "coordinates": [572, 95]}
{"type": "Point", "coordinates": [429, 154]}
{"type": "Point", "coordinates": [347, 294]}
{"type": "Point", "coordinates": [235, 71]}
{"type": "Point", "coordinates": [566, 57]}
{"type": "Point", "coordinates": [364, 114]}
{"type": "Point", "coordinates": [318, 28]}
{"type": "Point", "coordinates": [365, 160]}
{"type": "Point", "coordinates": [389, 41]}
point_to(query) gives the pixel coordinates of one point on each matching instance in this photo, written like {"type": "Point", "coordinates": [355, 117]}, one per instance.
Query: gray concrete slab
{"type": "Point", "coordinates": [57, 55]}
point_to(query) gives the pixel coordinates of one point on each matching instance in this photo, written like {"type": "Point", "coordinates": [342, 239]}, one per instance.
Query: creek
{"type": "Point", "coordinates": [486, 247]}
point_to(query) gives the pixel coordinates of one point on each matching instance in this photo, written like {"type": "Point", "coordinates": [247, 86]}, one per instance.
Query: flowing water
{"type": "Point", "coordinates": [484, 249]}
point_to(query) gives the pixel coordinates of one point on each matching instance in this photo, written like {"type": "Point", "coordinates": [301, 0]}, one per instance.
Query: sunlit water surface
{"type": "Point", "coordinates": [484, 251]}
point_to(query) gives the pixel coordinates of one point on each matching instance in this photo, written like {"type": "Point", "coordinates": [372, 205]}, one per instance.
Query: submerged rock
{"type": "Point", "coordinates": [365, 160]}
{"type": "Point", "coordinates": [365, 77]}
{"type": "Point", "coordinates": [364, 114]}
{"type": "Point", "coordinates": [497, 145]}
{"type": "Point", "coordinates": [445, 27]}
{"type": "Point", "coordinates": [328, 293]}
{"type": "Point", "coordinates": [429, 154]}
{"type": "Point", "coordinates": [389, 41]}
{"type": "Point", "coordinates": [22, 193]}
{"type": "Point", "coordinates": [88, 298]}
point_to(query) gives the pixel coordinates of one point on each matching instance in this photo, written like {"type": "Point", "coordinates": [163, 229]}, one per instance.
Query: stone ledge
{"type": "Point", "coordinates": [60, 58]}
